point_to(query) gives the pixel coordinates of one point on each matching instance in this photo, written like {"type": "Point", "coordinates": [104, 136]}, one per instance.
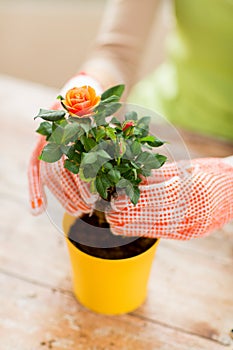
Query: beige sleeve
{"type": "Point", "coordinates": [119, 47]}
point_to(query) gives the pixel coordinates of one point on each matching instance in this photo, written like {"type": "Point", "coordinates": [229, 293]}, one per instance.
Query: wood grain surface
{"type": "Point", "coordinates": [190, 297]}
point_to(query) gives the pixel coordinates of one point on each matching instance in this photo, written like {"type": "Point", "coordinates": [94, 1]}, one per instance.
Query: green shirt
{"type": "Point", "coordinates": [194, 87]}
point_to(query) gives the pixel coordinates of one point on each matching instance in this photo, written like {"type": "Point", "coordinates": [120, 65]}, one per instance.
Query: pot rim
{"type": "Point", "coordinates": [113, 260]}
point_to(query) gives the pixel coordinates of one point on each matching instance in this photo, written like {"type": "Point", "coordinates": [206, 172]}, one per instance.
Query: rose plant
{"type": "Point", "coordinates": [109, 154]}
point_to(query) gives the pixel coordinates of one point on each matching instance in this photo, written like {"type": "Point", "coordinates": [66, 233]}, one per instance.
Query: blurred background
{"type": "Point", "coordinates": [45, 41]}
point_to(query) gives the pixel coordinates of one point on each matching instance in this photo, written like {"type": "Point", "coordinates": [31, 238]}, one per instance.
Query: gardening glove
{"type": "Point", "coordinates": [179, 201]}
{"type": "Point", "coordinates": [62, 183]}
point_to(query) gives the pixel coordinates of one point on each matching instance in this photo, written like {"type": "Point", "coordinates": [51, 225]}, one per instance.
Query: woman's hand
{"type": "Point", "coordinates": [180, 201]}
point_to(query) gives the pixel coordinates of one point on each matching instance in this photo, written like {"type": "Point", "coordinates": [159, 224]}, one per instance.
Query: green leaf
{"type": "Point", "coordinates": [110, 147]}
{"type": "Point", "coordinates": [102, 184]}
{"type": "Point", "coordinates": [100, 134]}
{"type": "Point", "coordinates": [132, 191]}
{"type": "Point", "coordinates": [144, 121]}
{"type": "Point", "coordinates": [123, 168]}
{"type": "Point", "coordinates": [71, 166]}
{"type": "Point", "coordinates": [61, 123]}
{"type": "Point", "coordinates": [97, 159]}
{"type": "Point", "coordinates": [77, 157]}
{"type": "Point", "coordinates": [85, 124]}
{"type": "Point", "coordinates": [132, 115]}
{"type": "Point", "coordinates": [92, 186]}
{"type": "Point", "coordinates": [66, 149]}
{"type": "Point", "coordinates": [115, 121]}
{"type": "Point", "coordinates": [108, 166]}
{"type": "Point", "coordinates": [60, 97]}
{"type": "Point", "coordinates": [153, 162]}
{"type": "Point", "coordinates": [51, 153]}
{"type": "Point", "coordinates": [134, 195]}
{"type": "Point", "coordinates": [89, 158]}
{"type": "Point", "coordinates": [103, 154]}
{"type": "Point", "coordinates": [82, 176]}
{"type": "Point", "coordinates": [88, 143]}
{"type": "Point", "coordinates": [50, 115]}
{"type": "Point", "coordinates": [142, 158]}
{"type": "Point", "coordinates": [92, 162]}
{"type": "Point", "coordinates": [142, 127]}
{"type": "Point", "coordinates": [93, 132]}
{"type": "Point", "coordinates": [110, 99]}
{"type": "Point", "coordinates": [111, 133]}
{"type": "Point", "coordinates": [136, 148]}
{"type": "Point", "coordinates": [129, 190]}
{"type": "Point", "coordinates": [114, 175]}
{"type": "Point", "coordinates": [161, 159]}
{"type": "Point", "coordinates": [100, 119]}
{"type": "Point", "coordinates": [123, 183]}
{"type": "Point", "coordinates": [89, 172]}
{"type": "Point", "coordinates": [130, 176]}
{"type": "Point", "coordinates": [152, 141]}
{"type": "Point", "coordinates": [150, 160]}
{"type": "Point", "coordinates": [71, 132]}
{"type": "Point", "coordinates": [115, 90]}
{"type": "Point", "coordinates": [79, 146]}
{"type": "Point", "coordinates": [72, 154]}
{"type": "Point", "coordinates": [57, 135]}
{"type": "Point", "coordinates": [128, 153]}
{"type": "Point", "coordinates": [145, 172]}
{"type": "Point", "coordinates": [45, 128]}
{"type": "Point", "coordinates": [112, 108]}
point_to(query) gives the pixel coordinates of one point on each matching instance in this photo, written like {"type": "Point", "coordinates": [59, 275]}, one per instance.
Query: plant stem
{"type": "Point", "coordinates": [100, 209]}
{"type": "Point", "coordinates": [101, 216]}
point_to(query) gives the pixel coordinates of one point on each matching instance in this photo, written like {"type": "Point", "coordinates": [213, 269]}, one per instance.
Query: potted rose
{"type": "Point", "coordinates": [110, 156]}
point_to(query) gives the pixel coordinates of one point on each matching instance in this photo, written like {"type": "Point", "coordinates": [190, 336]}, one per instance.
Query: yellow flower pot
{"type": "Point", "coordinates": [109, 286]}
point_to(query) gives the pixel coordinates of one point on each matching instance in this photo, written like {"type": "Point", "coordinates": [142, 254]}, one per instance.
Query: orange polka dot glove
{"type": "Point", "coordinates": [179, 201]}
{"type": "Point", "coordinates": [59, 181]}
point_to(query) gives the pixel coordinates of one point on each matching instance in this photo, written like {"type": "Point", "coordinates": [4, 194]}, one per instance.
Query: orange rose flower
{"type": "Point", "coordinates": [80, 101]}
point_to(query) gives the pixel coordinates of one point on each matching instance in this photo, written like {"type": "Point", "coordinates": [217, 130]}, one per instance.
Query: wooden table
{"type": "Point", "coordinates": [190, 299]}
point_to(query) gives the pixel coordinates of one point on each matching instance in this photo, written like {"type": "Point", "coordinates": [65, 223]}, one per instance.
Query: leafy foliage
{"type": "Point", "coordinates": [107, 153]}
{"type": "Point", "coordinates": [50, 115]}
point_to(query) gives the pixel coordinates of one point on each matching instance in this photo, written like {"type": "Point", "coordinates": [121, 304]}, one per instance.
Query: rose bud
{"type": "Point", "coordinates": [127, 127]}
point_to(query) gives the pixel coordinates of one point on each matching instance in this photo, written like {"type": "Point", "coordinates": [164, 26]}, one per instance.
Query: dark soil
{"type": "Point", "coordinates": [87, 235]}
